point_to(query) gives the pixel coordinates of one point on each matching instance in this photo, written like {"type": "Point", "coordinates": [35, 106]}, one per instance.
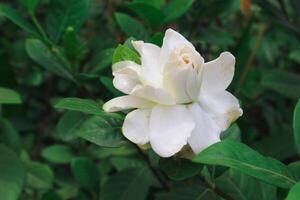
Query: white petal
{"type": "Point", "coordinates": [156, 95]}
{"type": "Point", "coordinates": [151, 70]}
{"type": "Point", "coordinates": [125, 103]}
{"type": "Point", "coordinates": [125, 64]}
{"type": "Point", "coordinates": [206, 131]}
{"type": "Point", "coordinates": [218, 74]}
{"type": "Point", "coordinates": [222, 106]}
{"type": "Point", "coordinates": [170, 126]}
{"type": "Point", "coordinates": [136, 126]}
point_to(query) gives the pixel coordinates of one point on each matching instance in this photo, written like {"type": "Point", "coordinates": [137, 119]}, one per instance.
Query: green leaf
{"type": "Point", "coordinates": [175, 9]}
{"type": "Point", "coordinates": [126, 185]}
{"type": "Point", "coordinates": [41, 54]}
{"type": "Point", "coordinates": [295, 55]}
{"type": "Point", "coordinates": [12, 174]}
{"type": "Point", "coordinates": [179, 169]}
{"type": "Point", "coordinates": [156, 3]}
{"type": "Point", "coordinates": [68, 124]}
{"type": "Point", "coordinates": [30, 4]}
{"type": "Point", "coordinates": [16, 18]}
{"type": "Point", "coordinates": [294, 193]}
{"type": "Point", "coordinates": [9, 135]}
{"type": "Point", "coordinates": [148, 13]}
{"type": "Point", "coordinates": [297, 126]}
{"type": "Point", "coordinates": [8, 96]}
{"type": "Point", "coordinates": [80, 105]}
{"type": "Point", "coordinates": [108, 83]}
{"type": "Point", "coordinates": [57, 153]}
{"type": "Point", "coordinates": [123, 53]}
{"type": "Point", "coordinates": [130, 26]}
{"type": "Point", "coordinates": [295, 169]}
{"type": "Point", "coordinates": [102, 130]}
{"type": "Point", "coordinates": [232, 133]}
{"type": "Point", "coordinates": [240, 157]}
{"type": "Point", "coordinates": [63, 14]}
{"type": "Point", "coordinates": [102, 61]}
{"type": "Point", "coordinates": [285, 83]}
{"type": "Point", "coordinates": [125, 163]}
{"type": "Point", "coordinates": [85, 172]}
{"type": "Point", "coordinates": [38, 175]}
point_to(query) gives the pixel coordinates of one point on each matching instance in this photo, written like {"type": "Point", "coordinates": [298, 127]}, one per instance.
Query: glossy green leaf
{"type": "Point", "coordinates": [242, 158]}
{"type": "Point", "coordinates": [175, 9]}
{"type": "Point", "coordinates": [126, 185]}
{"type": "Point", "coordinates": [41, 54]}
{"type": "Point", "coordinates": [297, 126]}
{"type": "Point", "coordinates": [232, 133]}
{"type": "Point", "coordinates": [57, 153]}
{"type": "Point", "coordinates": [124, 53]}
{"type": "Point", "coordinates": [85, 172]}
{"type": "Point", "coordinates": [63, 14]}
{"type": "Point", "coordinates": [130, 26]}
{"type": "Point", "coordinates": [38, 175]}
{"type": "Point", "coordinates": [16, 18]}
{"type": "Point", "coordinates": [294, 193]}
{"type": "Point", "coordinates": [80, 105]}
{"type": "Point", "coordinates": [12, 174]}
{"type": "Point", "coordinates": [8, 96]}
{"type": "Point", "coordinates": [179, 169]}
{"type": "Point", "coordinates": [102, 130]}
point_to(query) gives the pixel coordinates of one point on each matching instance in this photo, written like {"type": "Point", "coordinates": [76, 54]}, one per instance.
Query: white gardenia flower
{"type": "Point", "coordinates": [178, 98]}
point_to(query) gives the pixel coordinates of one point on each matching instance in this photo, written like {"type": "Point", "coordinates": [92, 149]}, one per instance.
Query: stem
{"type": "Point", "coordinates": [250, 60]}
{"type": "Point", "coordinates": [154, 171]}
{"type": "Point", "coordinates": [215, 189]}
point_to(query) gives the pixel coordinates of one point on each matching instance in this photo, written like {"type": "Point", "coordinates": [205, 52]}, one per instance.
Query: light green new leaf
{"type": "Point", "coordinates": [63, 14]}
{"type": "Point", "coordinates": [12, 174]}
{"type": "Point", "coordinates": [242, 158]}
{"type": "Point", "coordinates": [102, 130]}
{"type": "Point", "coordinates": [294, 193]}
{"type": "Point", "coordinates": [8, 96]}
{"type": "Point", "coordinates": [41, 54]}
{"type": "Point", "coordinates": [58, 153]}
{"type": "Point", "coordinates": [297, 126]}
{"type": "Point", "coordinates": [175, 9]}
{"type": "Point", "coordinates": [80, 105]}
{"type": "Point", "coordinates": [38, 175]}
{"type": "Point", "coordinates": [126, 185]}
{"type": "Point", "coordinates": [16, 18]}
{"type": "Point", "coordinates": [124, 53]}
{"type": "Point", "coordinates": [130, 26]}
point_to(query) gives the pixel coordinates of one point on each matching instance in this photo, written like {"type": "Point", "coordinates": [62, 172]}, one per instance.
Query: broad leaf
{"type": "Point", "coordinates": [63, 14]}
{"type": "Point", "coordinates": [8, 96]}
{"type": "Point", "coordinates": [57, 153]}
{"type": "Point", "coordinates": [12, 174]}
{"type": "Point", "coordinates": [124, 53]}
{"type": "Point", "coordinates": [297, 126]}
{"type": "Point", "coordinates": [175, 9]}
{"type": "Point", "coordinates": [102, 130]}
{"type": "Point", "coordinates": [294, 193]}
{"type": "Point", "coordinates": [242, 158]}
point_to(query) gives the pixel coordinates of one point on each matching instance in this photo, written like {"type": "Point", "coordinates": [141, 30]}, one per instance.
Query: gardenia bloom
{"type": "Point", "coordinates": [179, 99]}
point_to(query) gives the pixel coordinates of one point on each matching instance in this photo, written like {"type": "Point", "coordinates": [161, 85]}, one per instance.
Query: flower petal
{"type": "Point", "coordinates": [218, 74]}
{"type": "Point", "coordinates": [170, 126]}
{"type": "Point", "coordinates": [125, 103]}
{"type": "Point", "coordinates": [151, 70]}
{"type": "Point", "coordinates": [222, 106]}
{"type": "Point", "coordinates": [206, 131]}
{"type": "Point", "coordinates": [136, 126]}
{"type": "Point", "coordinates": [156, 95]}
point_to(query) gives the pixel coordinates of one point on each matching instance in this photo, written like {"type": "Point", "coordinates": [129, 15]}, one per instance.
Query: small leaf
{"type": "Point", "coordinates": [16, 18]}
{"type": "Point", "coordinates": [179, 169]}
{"type": "Point", "coordinates": [12, 174]}
{"type": "Point", "coordinates": [102, 130]}
{"type": "Point", "coordinates": [294, 193]}
{"type": "Point", "coordinates": [240, 157]}
{"type": "Point", "coordinates": [8, 96]}
{"type": "Point", "coordinates": [85, 172]}
{"type": "Point", "coordinates": [41, 54]}
{"type": "Point", "coordinates": [57, 153]}
{"type": "Point", "coordinates": [123, 53]}
{"type": "Point", "coordinates": [297, 126]}
{"type": "Point", "coordinates": [175, 9]}
{"type": "Point", "coordinates": [130, 26]}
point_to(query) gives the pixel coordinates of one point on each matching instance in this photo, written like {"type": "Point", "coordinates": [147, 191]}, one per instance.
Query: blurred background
{"type": "Point", "coordinates": [51, 49]}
